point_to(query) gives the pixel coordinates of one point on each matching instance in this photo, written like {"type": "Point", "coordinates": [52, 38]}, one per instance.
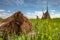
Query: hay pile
{"type": "Point", "coordinates": [16, 23]}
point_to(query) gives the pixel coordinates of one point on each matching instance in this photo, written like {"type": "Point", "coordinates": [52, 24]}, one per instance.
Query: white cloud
{"type": "Point", "coordinates": [34, 14]}
{"type": "Point", "coordinates": [53, 10]}
{"type": "Point", "coordinates": [55, 15]}
{"type": "Point", "coordinates": [40, 13]}
{"type": "Point", "coordinates": [8, 11]}
{"type": "Point", "coordinates": [1, 10]}
{"type": "Point", "coordinates": [20, 2]}
{"type": "Point", "coordinates": [4, 14]}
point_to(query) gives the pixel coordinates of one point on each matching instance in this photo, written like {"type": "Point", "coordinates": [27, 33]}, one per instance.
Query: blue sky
{"type": "Point", "coordinates": [29, 8]}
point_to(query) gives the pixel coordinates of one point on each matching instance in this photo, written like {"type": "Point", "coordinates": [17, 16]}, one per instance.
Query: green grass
{"type": "Point", "coordinates": [1, 19]}
{"type": "Point", "coordinates": [49, 29]}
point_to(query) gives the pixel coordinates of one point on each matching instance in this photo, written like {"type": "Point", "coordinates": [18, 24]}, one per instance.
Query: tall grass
{"type": "Point", "coordinates": [44, 30]}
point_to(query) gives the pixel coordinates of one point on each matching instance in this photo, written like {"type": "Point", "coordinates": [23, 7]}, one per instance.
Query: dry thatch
{"type": "Point", "coordinates": [46, 15]}
{"type": "Point", "coordinates": [16, 23]}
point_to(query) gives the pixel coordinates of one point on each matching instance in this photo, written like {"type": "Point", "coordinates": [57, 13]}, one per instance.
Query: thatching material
{"type": "Point", "coordinates": [46, 15]}
{"type": "Point", "coordinates": [16, 23]}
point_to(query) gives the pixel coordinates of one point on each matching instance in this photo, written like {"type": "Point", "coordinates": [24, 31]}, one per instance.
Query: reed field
{"type": "Point", "coordinates": [44, 29]}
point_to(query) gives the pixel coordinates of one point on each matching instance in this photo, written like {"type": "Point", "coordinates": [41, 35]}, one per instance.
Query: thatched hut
{"type": "Point", "coordinates": [17, 23]}
{"type": "Point", "coordinates": [46, 15]}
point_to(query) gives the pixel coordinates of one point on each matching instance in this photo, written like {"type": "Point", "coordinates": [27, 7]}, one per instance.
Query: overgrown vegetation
{"type": "Point", "coordinates": [1, 19]}
{"type": "Point", "coordinates": [47, 29]}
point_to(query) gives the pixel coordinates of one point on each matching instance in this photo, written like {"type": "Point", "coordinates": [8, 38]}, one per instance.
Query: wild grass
{"type": "Point", "coordinates": [45, 29]}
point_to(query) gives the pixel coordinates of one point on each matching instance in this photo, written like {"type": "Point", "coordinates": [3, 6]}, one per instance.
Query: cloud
{"type": "Point", "coordinates": [34, 14]}
{"type": "Point", "coordinates": [12, 2]}
{"type": "Point", "coordinates": [19, 2]}
{"type": "Point", "coordinates": [40, 13]}
{"type": "Point", "coordinates": [4, 14]}
{"type": "Point", "coordinates": [53, 10]}
{"type": "Point", "coordinates": [6, 2]}
{"type": "Point", "coordinates": [1, 10]}
{"type": "Point", "coordinates": [8, 11]}
{"type": "Point", "coordinates": [55, 15]}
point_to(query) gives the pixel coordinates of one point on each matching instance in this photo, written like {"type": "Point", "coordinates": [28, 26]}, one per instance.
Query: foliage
{"type": "Point", "coordinates": [47, 29]}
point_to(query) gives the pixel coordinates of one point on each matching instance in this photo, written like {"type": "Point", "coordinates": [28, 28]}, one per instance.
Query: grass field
{"type": "Point", "coordinates": [1, 19]}
{"type": "Point", "coordinates": [47, 29]}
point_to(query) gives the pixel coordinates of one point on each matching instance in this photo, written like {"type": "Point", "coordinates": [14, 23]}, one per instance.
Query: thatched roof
{"type": "Point", "coordinates": [46, 15]}
{"type": "Point", "coordinates": [16, 23]}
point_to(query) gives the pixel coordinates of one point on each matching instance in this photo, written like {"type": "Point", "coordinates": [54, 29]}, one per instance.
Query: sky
{"type": "Point", "coordinates": [30, 8]}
